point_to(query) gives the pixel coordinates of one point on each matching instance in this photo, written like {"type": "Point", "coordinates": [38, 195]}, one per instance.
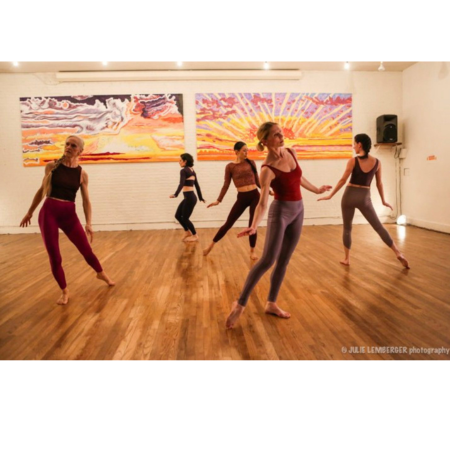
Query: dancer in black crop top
{"type": "Point", "coordinates": [62, 180]}
{"type": "Point", "coordinates": [188, 179]}
{"type": "Point", "coordinates": [362, 169]}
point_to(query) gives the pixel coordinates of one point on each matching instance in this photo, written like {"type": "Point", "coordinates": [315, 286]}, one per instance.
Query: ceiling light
{"type": "Point", "coordinates": [347, 66]}
{"type": "Point", "coordinates": [266, 65]}
{"type": "Point", "coordinates": [381, 68]}
{"type": "Point", "coordinates": [15, 64]}
{"type": "Point", "coordinates": [105, 63]}
{"type": "Point", "coordinates": [179, 63]}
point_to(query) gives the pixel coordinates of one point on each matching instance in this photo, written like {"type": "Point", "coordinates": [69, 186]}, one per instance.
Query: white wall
{"type": "Point", "coordinates": [426, 120]}
{"type": "Point", "coordinates": [136, 196]}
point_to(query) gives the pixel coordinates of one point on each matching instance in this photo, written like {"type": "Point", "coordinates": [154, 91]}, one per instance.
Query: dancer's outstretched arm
{"type": "Point", "coordinates": [266, 178]}
{"type": "Point", "coordinates": [342, 181]}
{"type": "Point", "coordinates": [87, 208]}
{"type": "Point", "coordinates": [37, 197]}
{"type": "Point", "coordinates": [380, 186]}
{"type": "Point", "coordinates": [310, 187]}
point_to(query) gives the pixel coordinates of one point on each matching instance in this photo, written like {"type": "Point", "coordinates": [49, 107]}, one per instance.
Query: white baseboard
{"type": "Point", "coordinates": [442, 227]}
{"type": "Point", "coordinates": [198, 224]}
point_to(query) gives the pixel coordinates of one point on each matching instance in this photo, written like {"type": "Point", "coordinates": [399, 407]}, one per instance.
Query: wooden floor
{"type": "Point", "coordinates": [170, 302]}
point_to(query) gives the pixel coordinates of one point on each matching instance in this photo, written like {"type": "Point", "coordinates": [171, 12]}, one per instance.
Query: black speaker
{"type": "Point", "coordinates": [387, 129]}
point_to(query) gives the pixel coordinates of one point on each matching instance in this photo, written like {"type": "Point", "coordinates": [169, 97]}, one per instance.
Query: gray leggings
{"type": "Point", "coordinates": [360, 198]}
{"type": "Point", "coordinates": [284, 226]}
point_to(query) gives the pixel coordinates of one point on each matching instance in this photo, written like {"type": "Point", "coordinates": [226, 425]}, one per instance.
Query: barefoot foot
{"type": "Point", "coordinates": [345, 262]}
{"type": "Point", "coordinates": [102, 276]}
{"type": "Point", "coordinates": [193, 238]}
{"type": "Point", "coordinates": [207, 250]}
{"type": "Point", "coordinates": [64, 299]}
{"type": "Point", "coordinates": [236, 311]}
{"type": "Point", "coordinates": [253, 255]}
{"type": "Point", "coordinates": [186, 235]}
{"type": "Point", "coordinates": [272, 308]}
{"type": "Point", "coordinates": [404, 261]}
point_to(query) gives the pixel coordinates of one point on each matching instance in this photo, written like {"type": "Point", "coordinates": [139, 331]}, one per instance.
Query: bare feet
{"type": "Point", "coordinates": [235, 313]}
{"type": "Point", "coordinates": [404, 261]}
{"type": "Point", "coordinates": [64, 299]}
{"type": "Point", "coordinates": [208, 249]}
{"type": "Point", "coordinates": [193, 238]}
{"type": "Point", "coordinates": [186, 235]}
{"type": "Point", "coordinates": [105, 278]}
{"type": "Point", "coordinates": [345, 262]}
{"type": "Point", "coordinates": [253, 255]}
{"type": "Point", "coordinates": [272, 308]}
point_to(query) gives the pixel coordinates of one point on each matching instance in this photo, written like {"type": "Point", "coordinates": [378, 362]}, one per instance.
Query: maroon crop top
{"type": "Point", "coordinates": [362, 178]}
{"type": "Point", "coordinates": [65, 182]}
{"type": "Point", "coordinates": [286, 185]}
{"type": "Point", "coordinates": [243, 174]}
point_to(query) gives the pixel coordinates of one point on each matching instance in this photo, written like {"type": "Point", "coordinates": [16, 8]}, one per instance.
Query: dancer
{"type": "Point", "coordinates": [62, 180]}
{"type": "Point", "coordinates": [357, 195]}
{"type": "Point", "coordinates": [188, 178]}
{"type": "Point", "coordinates": [245, 178]}
{"type": "Point", "coordinates": [284, 225]}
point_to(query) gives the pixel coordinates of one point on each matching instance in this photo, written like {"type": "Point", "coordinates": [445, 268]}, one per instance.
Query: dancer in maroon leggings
{"type": "Point", "coordinates": [363, 168]}
{"type": "Point", "coordinates": [245, 177]}
{"type": "Point", "coordinates": [62, 180]}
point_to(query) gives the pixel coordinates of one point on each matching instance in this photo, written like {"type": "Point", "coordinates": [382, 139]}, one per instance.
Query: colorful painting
{"type": "Point", "coordinates": [316, 126]}
{"type": "Point", "coordinates": [115, 128]}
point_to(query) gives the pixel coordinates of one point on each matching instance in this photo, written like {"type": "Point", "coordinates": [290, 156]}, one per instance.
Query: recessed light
{"type": "Point", "coordinates": [15, 64]}
{"type": "Point", "coordinates": [266, 65]}
{"type": "Point", "coordinates": [179, 63]}
{"type": "Point", "coordinates": [347, 66]}
{"type": "Point", "coordinates": [105, 63]}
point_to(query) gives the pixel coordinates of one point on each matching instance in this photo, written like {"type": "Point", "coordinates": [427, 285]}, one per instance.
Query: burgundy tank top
{"type": "Point", "coordinates": [65, 182]}
{"type": "Point", "coordinates": [286, 185]}
{"type": "Point", "coordinates": [362, 178]}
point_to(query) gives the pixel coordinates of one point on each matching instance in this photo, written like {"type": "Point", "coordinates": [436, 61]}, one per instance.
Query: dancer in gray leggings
{"type": "Point", "coordinates": [281, 172]}
{"type": "Point", "coordinates": [357, 195]}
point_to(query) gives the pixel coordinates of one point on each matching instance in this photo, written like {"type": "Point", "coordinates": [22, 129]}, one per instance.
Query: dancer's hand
{"type": "Point", "coordinates": [213, 204]}
{"type": "Point", "coordinates": [171, 196]}
{"type": "Point", "coordinates": [89, 232]}
{"type": "Point", "coordinates": [204, 201]}
{"type": "Point", "coordinates": [247, 232]}
{"type": "Point", "coordinates": [26, 220]}
{"type": "Point", "coordinates": [388, 205]}
{"type": "Point", "coordinates": [271, 192]}
{"type": "Point", "coordinates": [324, 188]}
{"type": "Point", "coordinates": [328, 197]}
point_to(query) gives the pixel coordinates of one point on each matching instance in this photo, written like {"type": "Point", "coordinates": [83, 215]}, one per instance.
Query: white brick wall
{"type": "Point", "coordinates": [136, 196]}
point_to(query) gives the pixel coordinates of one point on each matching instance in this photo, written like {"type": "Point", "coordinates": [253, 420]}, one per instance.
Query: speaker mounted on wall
{"type": "Point", "coordinates": [387, 129]}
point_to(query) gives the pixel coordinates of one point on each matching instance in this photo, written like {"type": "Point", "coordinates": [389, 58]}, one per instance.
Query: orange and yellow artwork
{"type": "Point", "coordinates": [115, 128]}
{"type": "Point", "coordinates": [316, 126]}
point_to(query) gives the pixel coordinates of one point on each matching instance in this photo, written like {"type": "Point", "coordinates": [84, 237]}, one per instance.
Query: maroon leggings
{"type": "Point", "coordinates": [56, 214]}
{"type": "Point", "coordinates": [244, 200]}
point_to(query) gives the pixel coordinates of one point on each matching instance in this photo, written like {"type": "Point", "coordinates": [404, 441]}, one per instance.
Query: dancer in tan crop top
{"type": "Point", "coordinates": [363, 168]}
{"type": "Point", "coordinates": [245, 177]}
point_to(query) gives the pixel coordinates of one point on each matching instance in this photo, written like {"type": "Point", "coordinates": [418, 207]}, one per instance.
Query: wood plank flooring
{"type": "Point", "coordinates": [171, 302]}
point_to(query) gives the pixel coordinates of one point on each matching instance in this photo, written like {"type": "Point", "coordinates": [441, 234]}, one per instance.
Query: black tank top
{"type": "Point", "coordinates": [362, 178]}
{"type": "Point", "coordinates": [65, 182]}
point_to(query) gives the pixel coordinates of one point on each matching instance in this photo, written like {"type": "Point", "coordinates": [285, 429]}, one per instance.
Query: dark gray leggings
{"type": "Point", "coordinates": [284, 226]}
{"type": "Point", "coordinates": [360, 198]}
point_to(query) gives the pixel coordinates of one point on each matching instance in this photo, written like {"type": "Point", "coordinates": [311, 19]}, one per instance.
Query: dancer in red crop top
{"type": "Point", "coordinates": [62, 180]}
{"type": "Point", "coordinates": [245, 177]}
{"type": "Point", "coordinates": [362, 168]}
{"type": "Point", "coordinates": [284, 225]}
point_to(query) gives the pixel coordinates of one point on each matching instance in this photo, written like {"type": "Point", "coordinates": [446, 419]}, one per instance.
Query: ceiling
{"type": "Point", "coordinates": [61, 66]}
